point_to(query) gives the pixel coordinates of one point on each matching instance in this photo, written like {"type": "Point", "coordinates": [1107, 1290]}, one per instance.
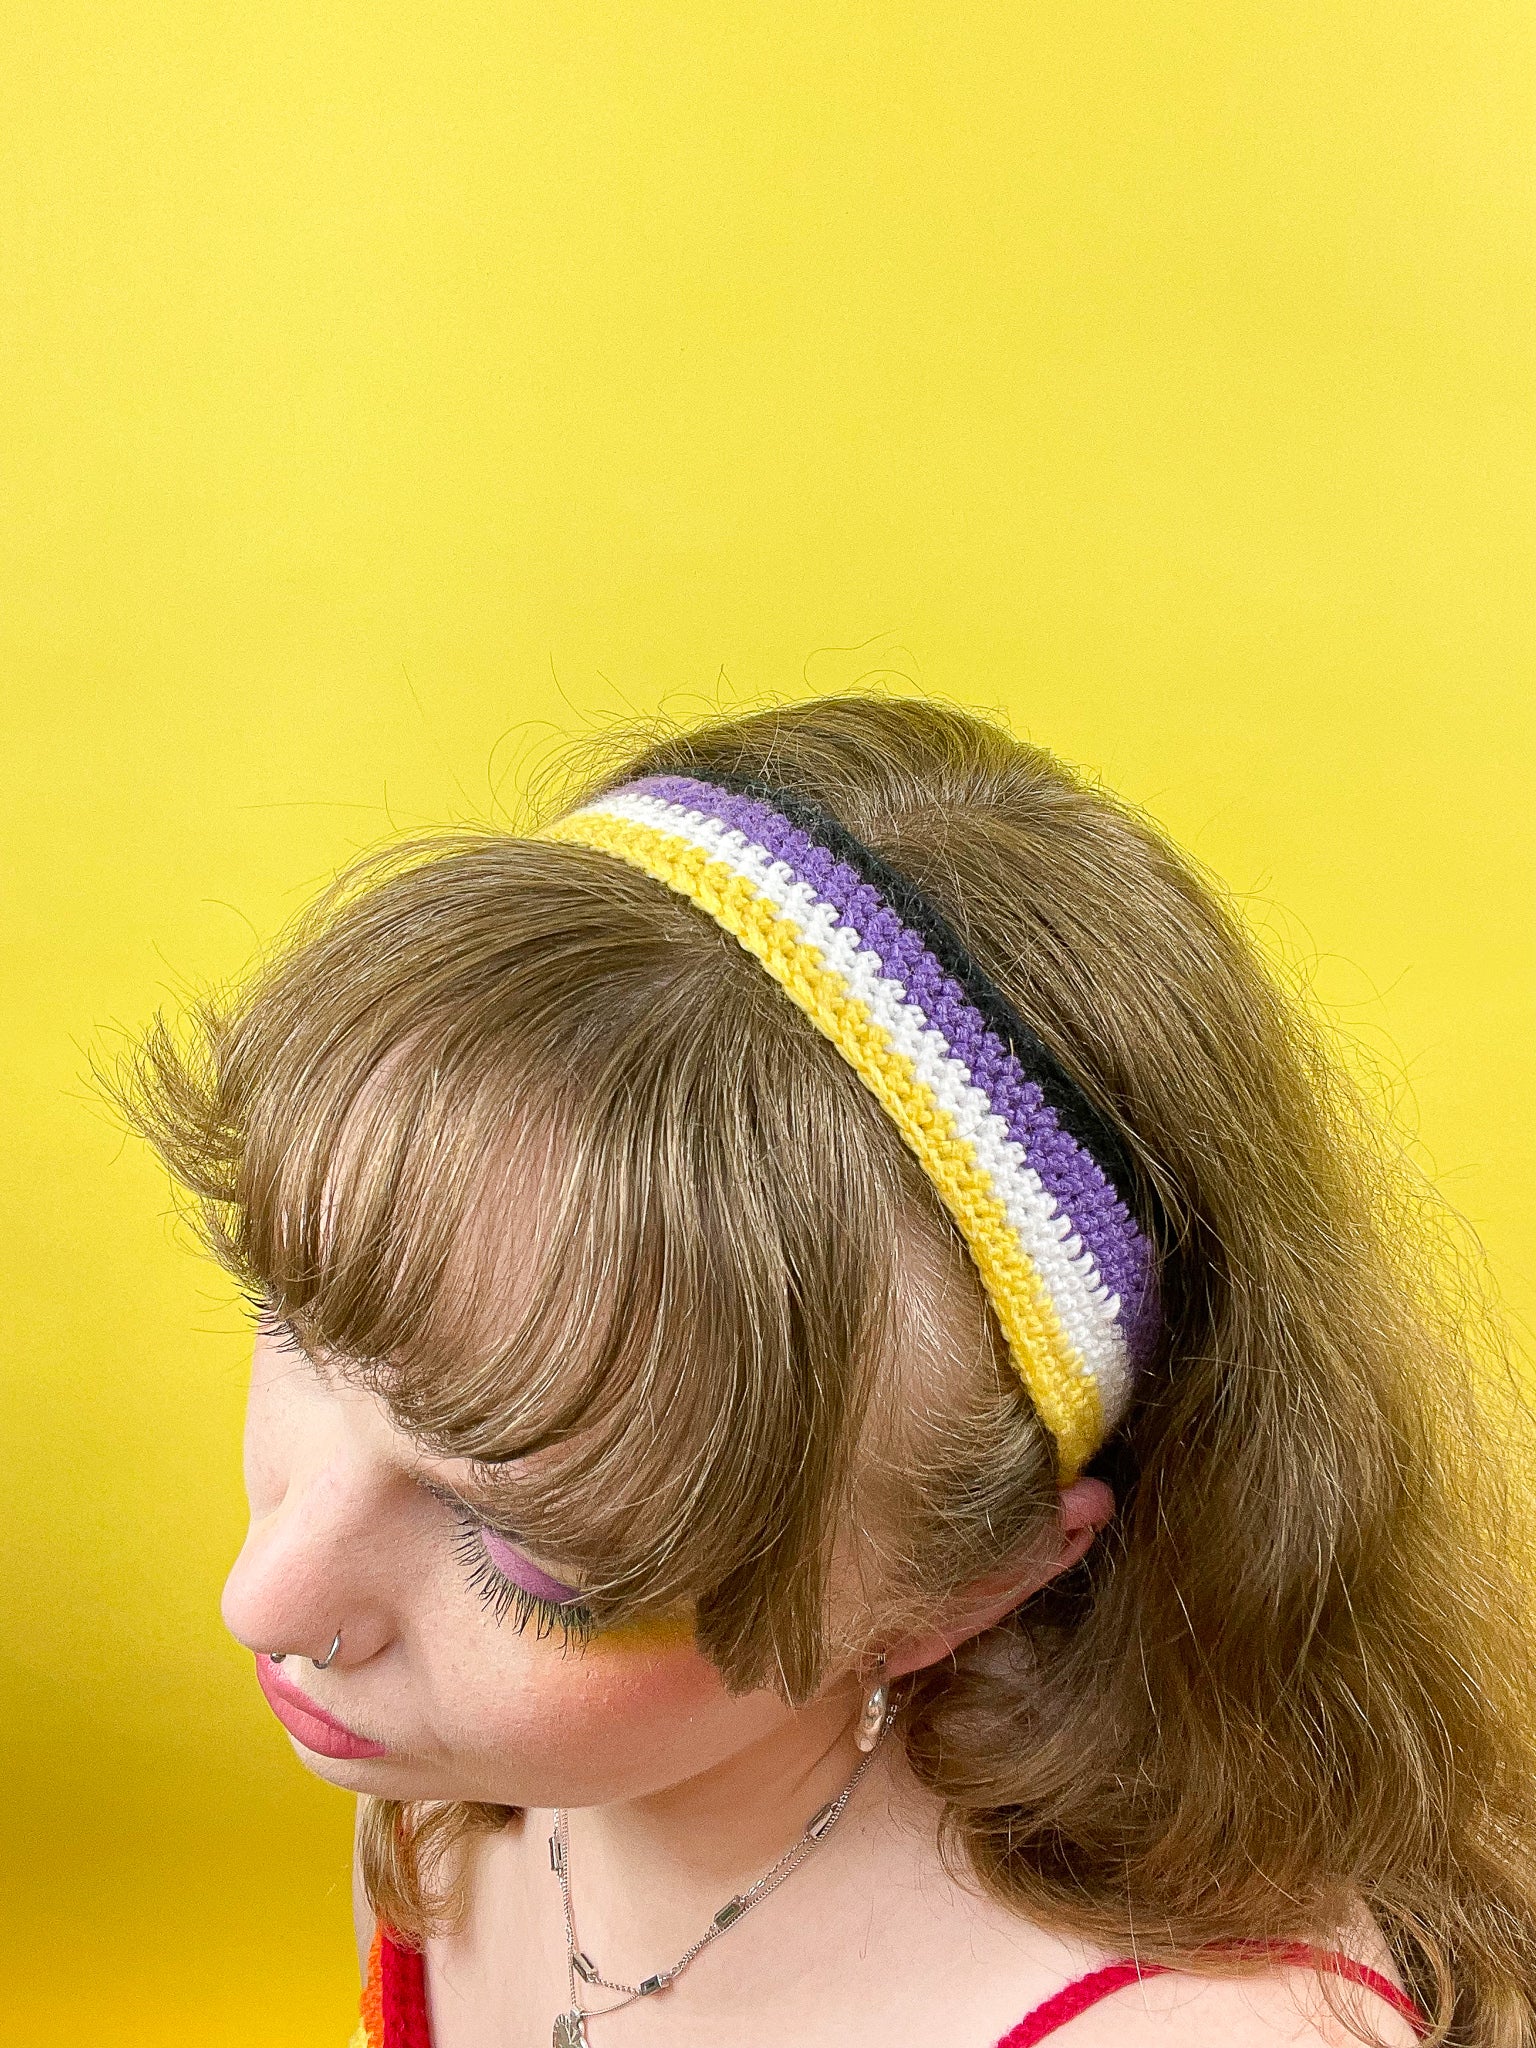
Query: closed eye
{"type": "Point", "coordinates": [508, 1581]}
{"type": "Point", "coordinates": [522, 1571]}
{"type": "Point", "coordinates": [502, 1595]}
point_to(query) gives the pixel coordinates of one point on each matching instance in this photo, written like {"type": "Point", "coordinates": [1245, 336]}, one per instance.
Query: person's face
{"type": "Point", "coordinates": [350, 1530]}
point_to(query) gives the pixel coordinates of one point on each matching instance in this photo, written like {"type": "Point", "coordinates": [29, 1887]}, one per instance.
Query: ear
{"type": "Point", "coordinates": [1082, 1509]}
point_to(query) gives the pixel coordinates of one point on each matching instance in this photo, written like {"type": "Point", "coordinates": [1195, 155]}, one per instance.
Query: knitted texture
{"type": "Point", "coordinates": [1066, 1267]}
{"type": "Point", "coordinates": [370, 2032]}
{"type": "Point", "coordinates": [402, 1999]}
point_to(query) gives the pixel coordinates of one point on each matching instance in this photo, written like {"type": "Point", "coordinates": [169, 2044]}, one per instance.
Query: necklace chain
{"type": "Point", "coordinates": [569, 2029]}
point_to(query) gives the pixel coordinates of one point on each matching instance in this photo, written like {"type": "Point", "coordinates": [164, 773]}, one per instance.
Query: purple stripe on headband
{"type": "Point", "coordinates": [1071, 1175]}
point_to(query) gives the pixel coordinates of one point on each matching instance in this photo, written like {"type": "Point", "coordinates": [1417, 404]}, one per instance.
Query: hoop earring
{"type": "Point", "coordinates": [872, 1716]}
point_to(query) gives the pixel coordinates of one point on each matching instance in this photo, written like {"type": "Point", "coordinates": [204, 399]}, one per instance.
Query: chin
{"type": "Point", "coordinates": [380, 1777]}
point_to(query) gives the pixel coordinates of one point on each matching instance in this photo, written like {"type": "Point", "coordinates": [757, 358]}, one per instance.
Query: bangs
{"type": "Point", "coordinates": [529, 1147]}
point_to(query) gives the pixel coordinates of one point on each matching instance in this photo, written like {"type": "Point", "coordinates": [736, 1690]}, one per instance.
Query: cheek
{"type": "Point", "coordinates": [635, 1711]}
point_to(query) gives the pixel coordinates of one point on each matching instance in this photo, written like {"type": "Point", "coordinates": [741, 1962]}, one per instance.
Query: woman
{"type": "Point", "coordinates": [846, 1441]}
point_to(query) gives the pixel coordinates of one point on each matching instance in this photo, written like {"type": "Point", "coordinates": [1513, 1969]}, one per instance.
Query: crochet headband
{"type": "Point", "coordinates": [1026, 1166]}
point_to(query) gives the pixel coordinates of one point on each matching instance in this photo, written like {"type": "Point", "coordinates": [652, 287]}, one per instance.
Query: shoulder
{"type": "Point", "coordinates": [1274, 2008]}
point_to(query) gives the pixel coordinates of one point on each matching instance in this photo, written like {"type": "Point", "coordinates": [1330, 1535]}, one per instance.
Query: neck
{"type": "Point", "coordinates": [871, 1907]}
{"type": "Point", "coordinates": [726, 1824]}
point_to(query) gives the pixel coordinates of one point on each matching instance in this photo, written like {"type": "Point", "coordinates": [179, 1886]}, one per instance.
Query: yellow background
{"type": "Point", "coordinates": [389, 390]}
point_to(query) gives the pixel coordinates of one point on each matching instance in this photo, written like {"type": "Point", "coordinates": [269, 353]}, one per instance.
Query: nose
{"type": "Point", "coordinates": [308, 1578]}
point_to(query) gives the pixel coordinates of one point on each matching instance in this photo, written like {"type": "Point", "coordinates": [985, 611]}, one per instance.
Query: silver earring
{"type": "Point", "coordinates": [872, 1717]}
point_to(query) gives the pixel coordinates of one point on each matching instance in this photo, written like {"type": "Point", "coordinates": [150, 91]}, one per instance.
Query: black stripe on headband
{"type": "Point", "coordinates": [1074, 1111]}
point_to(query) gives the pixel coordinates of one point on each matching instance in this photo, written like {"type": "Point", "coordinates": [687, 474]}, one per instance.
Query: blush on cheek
{"type": "Point", "coordinates": [634, 1689]}
{"type": "Point", "coordinates": [619, 1716]}
{"type": "Point", "coordinates": [629, 1712]}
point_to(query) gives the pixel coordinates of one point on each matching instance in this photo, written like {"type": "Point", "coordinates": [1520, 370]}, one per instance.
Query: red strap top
{"type": "Point", "coordinates": [394, 2002]}
{"type": "Point", "coordinates": [1082, 1992]}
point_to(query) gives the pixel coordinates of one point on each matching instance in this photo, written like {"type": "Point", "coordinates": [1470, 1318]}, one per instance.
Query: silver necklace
{"type": "Point", "coordinates": [570, 2025]}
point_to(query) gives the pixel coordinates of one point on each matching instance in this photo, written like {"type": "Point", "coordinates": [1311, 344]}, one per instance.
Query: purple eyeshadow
{"type": "Point", "coordinates": [512, 1564]}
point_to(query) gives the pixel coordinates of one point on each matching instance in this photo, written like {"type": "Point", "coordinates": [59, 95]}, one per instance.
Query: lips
{"type": "Point", "coordinates": [309, 1724]}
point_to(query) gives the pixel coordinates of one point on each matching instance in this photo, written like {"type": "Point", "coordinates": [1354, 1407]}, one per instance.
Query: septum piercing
{"type": "Point", "coordinates": [320, 1663]}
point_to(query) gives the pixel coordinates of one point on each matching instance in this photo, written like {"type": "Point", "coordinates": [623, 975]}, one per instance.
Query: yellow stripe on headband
{"type": "Point", "coordinates": [1053, 1374]}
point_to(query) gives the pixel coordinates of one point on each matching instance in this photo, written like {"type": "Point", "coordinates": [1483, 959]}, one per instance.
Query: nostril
{"type": "Point", "coordinates": [320, 1663]}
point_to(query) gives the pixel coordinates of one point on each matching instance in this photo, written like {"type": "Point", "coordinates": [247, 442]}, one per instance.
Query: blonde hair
{"type": "Point", "coordinates": [1294, 1673]}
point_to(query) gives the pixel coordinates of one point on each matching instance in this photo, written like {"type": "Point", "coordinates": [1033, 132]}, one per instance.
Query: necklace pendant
{"type": "Point", "coordinates": [569, 2030]}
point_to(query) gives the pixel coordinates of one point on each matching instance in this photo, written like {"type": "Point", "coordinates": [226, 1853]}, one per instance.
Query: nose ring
{"type": "Point", "coordinates": [320, 1663]}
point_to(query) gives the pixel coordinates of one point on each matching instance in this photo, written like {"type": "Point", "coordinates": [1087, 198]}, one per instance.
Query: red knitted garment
{"type": "Point", "coordinates": [395, 1997]}
{"type": "Point", "coordinates": [402, 1996]}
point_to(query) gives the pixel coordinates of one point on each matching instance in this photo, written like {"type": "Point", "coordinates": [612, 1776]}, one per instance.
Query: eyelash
{"type": "Point", "coordinates": [502, 1597]}
{"type": "Point", "coordinates": [266, 1319]}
